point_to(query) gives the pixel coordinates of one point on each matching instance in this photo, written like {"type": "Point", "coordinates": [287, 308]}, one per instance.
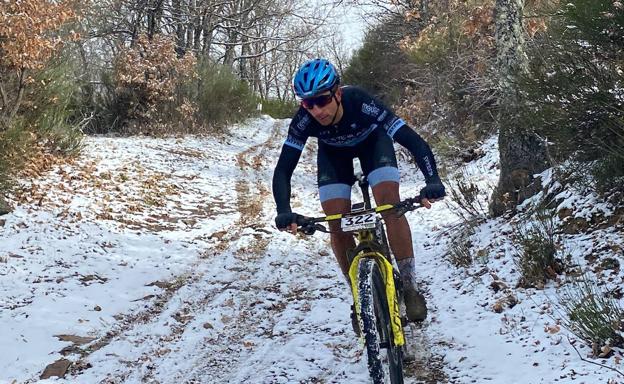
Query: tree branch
{"type": "Point", "coordinates": [20, 95]}
{"type": "Point", "coordinates": [593, 362]}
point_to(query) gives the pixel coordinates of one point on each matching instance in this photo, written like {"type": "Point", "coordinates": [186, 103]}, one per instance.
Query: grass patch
{"type": "Point", "coordinates": [538, 255]}
{"type": "Point", "coordinates": [592, 315]}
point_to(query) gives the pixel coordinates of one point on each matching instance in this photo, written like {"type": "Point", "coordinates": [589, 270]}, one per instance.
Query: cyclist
{"type": "Point", "coordinates": [350, 123]}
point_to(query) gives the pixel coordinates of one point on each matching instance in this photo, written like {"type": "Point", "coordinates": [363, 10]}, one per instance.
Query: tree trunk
{"type": "Point", "coordinates": [522, 153]}
{"type": "Point", "coordinates": [21, 85]}
{"type": "Point", "coordinates": [176, 10]}
{"type": "Point", "coordinates": [154, 15]}
{"type": "Point", "coordinates": [424, 11]}
{"type": "Point", "coordinates": [4, 207]}
{"type": "Point", "coordinates": [197, 27]}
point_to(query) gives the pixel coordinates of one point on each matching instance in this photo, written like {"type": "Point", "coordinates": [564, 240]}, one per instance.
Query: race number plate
{"type": "Point", "coordinates": [355, 223]}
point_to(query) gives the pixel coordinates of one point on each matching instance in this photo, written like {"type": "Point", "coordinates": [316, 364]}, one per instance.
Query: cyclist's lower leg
{"type": "Point", "coordinates": [341, 243]}
{"type": "Point", "coordinates": [400, 239]}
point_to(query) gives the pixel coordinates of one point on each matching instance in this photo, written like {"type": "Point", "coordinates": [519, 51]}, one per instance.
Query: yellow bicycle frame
{"type": "Point", "coordinates": [393, 305]}
{"type": "Point", "coordinates": [386, 270]}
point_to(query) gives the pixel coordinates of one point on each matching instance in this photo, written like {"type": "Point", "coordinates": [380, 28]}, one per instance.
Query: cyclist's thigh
{"type": "Point", "coordinates": [378, 159]}
{"type": "Point", "coordinates": [334, 172]}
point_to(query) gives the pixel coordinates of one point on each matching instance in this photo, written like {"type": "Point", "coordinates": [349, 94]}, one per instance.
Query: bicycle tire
{"type": "Point", "coordinates": [376, 327]}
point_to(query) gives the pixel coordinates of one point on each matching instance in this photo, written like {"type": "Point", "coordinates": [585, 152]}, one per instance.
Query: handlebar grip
{"type": "Point", "coordinates": [303, 220]}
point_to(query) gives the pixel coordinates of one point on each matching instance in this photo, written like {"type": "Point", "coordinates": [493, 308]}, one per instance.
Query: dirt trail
{"type": "Point", "coordinates": [199, 291]}
{"type": "Point", "coordinates": [244, 301]}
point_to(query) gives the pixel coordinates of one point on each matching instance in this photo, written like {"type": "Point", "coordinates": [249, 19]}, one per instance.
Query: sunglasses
{"type": "Point", "coordinates": [321, 101]}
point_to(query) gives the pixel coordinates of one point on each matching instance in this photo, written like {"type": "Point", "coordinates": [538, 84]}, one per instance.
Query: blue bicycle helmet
{"type": "Point", "coordinates": [314, 77]}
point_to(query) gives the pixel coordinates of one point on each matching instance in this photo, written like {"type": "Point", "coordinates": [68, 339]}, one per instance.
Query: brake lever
{"type": "Point", "coordinates": [408, 205]}
{"type": "Point", "coordinates": [311, 228]}
{"type": "Point", "coordinates": [400, 212]}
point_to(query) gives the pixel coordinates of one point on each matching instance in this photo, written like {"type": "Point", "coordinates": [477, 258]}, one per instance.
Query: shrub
{"type": "Point", "coordinates": [591, 314]}
{"type": "Point", "coordinates": [14, 145]}
{"type": "Point", "coordinates": [608, 171]}
{"type": "Point", "coordinates": [221, 97]}
{"type": "Point", "coordinates": [279, 109]}
{"type": "Point", "coordinates": [52, 110]}
{"type": "Point", "coordinates": [538, 254]}
{"type": "Point", "coordinates": [147, 77]}
{"type": "Point", "coordinates": [573, 95]}
{"type": "Point", "coordinates": [48, 120]}
{"type": "Point", "coordinates": [30, 35]}
{"type": "Point", "coordinates": [469, 198]}
{"type": "Point", "coordinates": [452, 91]}
{"type": "Point", "coordinates": [380, 66]}
{"type": "Point", "coordinates": [460, 249]}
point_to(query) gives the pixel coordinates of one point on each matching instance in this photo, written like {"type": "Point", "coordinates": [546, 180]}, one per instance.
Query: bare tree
{"type": "Point", "coordinates": [253, 37]}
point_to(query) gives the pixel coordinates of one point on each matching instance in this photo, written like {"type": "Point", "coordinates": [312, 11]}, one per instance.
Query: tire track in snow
{"type": "Point", "coordinates": [185, 301]}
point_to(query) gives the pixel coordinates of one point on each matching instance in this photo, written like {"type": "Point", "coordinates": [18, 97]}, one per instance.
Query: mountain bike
{"type": "Point", "coordinates": [375, 283]}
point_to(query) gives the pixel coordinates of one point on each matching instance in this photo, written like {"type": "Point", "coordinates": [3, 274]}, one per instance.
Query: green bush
{"type": "Point", "coordinates": [221, 97]}
{"type": "Point", "coordinates": [216, 98]}
{"type": "Point", "coordinates": [14, 147]}
{"type": "Point", "coordinates": [108, 111]}
{"type": "Point", "coordinates": [380, 66]}
{"type": "Point", "coordinates": [48, 119]}
{"type": "Point", "coordinates": [437, 79]}
{"type": "Point", "coordinates": [55, 115]}
{"type": "Point", "coordinates": [572, 96]}
{"type": "Point", "coordinates": [279, 109]}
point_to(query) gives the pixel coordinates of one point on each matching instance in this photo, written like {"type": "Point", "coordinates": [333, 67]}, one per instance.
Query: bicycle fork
{"type": "Point", "coordinates": [391, 292]}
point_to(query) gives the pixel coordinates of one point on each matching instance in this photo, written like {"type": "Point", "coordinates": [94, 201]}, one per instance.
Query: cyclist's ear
{"type": "Point", "coordinates": [338, 94]}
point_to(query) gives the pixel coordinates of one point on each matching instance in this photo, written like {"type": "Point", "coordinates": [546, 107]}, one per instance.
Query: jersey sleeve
{"type": "Point", "coordinates": [281, 177]}
{"type": "Point", "coordinates": [298, 131]}
{"type": "Point", "coordinates": [421, 151]}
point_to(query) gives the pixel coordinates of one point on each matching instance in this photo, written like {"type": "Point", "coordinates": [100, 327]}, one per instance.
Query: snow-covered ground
{"type": "Point", "coordinates": [157, 261]}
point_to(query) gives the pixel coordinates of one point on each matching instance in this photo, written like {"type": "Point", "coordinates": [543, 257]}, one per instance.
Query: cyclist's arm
{"type": "Point", "coordinates": [281, 177]}
{"type": "Point", "coordinates": [421, 151]}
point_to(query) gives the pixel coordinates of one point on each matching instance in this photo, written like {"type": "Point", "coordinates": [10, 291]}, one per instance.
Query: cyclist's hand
{"type": "Point", "coordinates": [287, 221]}
{"type": "Point", "coordinates": [432, 192]}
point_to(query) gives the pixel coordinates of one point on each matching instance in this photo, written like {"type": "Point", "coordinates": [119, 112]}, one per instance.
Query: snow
{"type": "Point", "coordinates": [164, 251]}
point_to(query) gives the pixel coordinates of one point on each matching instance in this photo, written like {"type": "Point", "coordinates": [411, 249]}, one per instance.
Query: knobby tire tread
{"type": "Point", "coordinates": [374, 308]}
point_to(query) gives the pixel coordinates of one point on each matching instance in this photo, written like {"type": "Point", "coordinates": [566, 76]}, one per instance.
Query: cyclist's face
{"type": "Point", "coordinates": [325, 107]}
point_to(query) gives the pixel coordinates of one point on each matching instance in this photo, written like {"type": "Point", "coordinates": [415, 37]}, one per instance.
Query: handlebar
{"type": "Point", "coordinates": [309, 225]}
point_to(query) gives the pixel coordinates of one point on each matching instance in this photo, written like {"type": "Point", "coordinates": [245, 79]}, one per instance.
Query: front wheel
{"type": "Point", "coordinates": [385, 360]}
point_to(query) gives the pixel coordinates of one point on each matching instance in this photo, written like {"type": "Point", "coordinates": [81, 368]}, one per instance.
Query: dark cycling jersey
{"type": "Point", "coordinates": [362, 114]}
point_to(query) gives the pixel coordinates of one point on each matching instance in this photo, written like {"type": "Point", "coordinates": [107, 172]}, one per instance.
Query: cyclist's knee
{"type": "Point", "coordinates": [333, 207]}
{"type": "Point", "coordinates": [386, 193]}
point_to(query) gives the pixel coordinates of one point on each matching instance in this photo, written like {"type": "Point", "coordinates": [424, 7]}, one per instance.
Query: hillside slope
{"type": "Point", "coordinates": [157, 261]}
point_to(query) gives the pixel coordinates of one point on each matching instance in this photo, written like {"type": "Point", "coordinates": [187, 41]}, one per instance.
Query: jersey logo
{"type": "Point", "coordinates": [370, 109]}
{"type": "Point", "coordinates": [303, 123]}
{"type": "Point", "coordinates": [353, 126]}
{"type": "Point", "coordinates": [385, 160]}
{"type": "Point", "coordinates": [383, 115]}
